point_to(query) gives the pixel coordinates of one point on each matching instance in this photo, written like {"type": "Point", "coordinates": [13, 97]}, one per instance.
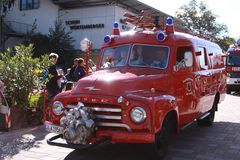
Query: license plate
{"type": "Point", "coordinates": [54, 128]}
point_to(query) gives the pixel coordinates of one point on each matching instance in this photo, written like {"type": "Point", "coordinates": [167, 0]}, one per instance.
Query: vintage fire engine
{"type": "Point", "coordinates": [150, 83]}
{"type": "Point", "coordinates": [233, 70]}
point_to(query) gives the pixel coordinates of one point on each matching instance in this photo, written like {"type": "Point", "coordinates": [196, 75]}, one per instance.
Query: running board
{"type": "Point", "coordinates": [190, 123]}
{"type": "Point", "coordinates": [186, 125]}
{"type": "Point", "coordinates": [204, 116]}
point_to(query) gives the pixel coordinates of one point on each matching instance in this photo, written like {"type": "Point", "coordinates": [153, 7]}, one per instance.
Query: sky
{"type": "Point", "coordinates": [226, 11]}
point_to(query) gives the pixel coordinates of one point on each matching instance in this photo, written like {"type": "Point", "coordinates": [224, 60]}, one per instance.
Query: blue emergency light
{"type": "Point", "coordinates": [107, 39]}
{"type": "Point", "coordinates": [161, 36]}
{"type": "Point", "coordinates": [115, 25]}
{"type": "Point", "coordinates": [169, 21]}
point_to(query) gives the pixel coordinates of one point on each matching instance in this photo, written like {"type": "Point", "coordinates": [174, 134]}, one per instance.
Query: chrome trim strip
{"type": "Point", "coordinates": [98, 109]}
{"type": "Point", "coordinates": [106, 109]}
{"type": "Point", "coordinates": [114, 125]}
{"type": "Point", "coordinates": [109, 117]}
{"type": "Point", "coordinates": [204, 115]}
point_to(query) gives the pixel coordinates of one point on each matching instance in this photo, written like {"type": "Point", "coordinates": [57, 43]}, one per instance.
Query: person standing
{"type": "Point", "coordinates": [80, 71]}
{"type": "Point", "coordinates": [52, 85]}
{"type": "Point", "coordinates": [70, 75]}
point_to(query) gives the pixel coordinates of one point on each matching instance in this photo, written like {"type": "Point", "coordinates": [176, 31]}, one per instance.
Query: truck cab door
{"type": "Point", "coordinates": [184, 84]}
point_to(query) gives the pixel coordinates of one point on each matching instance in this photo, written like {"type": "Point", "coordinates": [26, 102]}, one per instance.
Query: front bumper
{"type": "Point", "coordinates": [102, 136]}
{"type": "Point", "coordinates": [76, 146]}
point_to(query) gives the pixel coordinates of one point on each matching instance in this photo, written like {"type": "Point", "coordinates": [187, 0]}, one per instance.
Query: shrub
{"type": "Point", "coordinates": [20, 74]}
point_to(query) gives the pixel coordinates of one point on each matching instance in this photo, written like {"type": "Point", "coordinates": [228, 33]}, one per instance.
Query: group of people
{"type": "Point", "coordinates": [55, 75]}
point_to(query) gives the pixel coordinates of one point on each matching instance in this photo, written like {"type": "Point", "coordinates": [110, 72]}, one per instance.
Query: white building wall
{"type": "Point", "coordinates": [93, 15]}
{"type": "Point", "coordinates": [106, 15]}
{"type": "Point", "coordinates": [46, 15]}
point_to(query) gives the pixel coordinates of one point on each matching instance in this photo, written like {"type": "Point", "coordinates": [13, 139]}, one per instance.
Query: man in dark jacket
{"type": "Point", "coordinates": [52, 85]}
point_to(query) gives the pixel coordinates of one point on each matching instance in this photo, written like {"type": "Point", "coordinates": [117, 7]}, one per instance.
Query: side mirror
{"type": "Point", "coordinates": [188, 58]}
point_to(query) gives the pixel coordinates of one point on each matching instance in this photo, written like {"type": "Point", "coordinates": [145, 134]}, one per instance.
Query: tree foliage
{"type": "Point", "coordinates": [225, 42]}
{"type": "Point", "coordinates": [201, 21]}
{"type": "Point", "coordinates": [58, 40]}
{"type": "Point", "coordinates": [20, 74]}
{"type": "Point", "coordinates": [5, 5]}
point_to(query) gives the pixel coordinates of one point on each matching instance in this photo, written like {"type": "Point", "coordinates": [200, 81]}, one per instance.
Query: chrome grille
{"type": "Point", "coordinates": [107, 116]}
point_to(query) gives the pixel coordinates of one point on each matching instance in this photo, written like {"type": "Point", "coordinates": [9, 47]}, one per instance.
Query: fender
{"type": "Point", "coordinates": [162, 105]}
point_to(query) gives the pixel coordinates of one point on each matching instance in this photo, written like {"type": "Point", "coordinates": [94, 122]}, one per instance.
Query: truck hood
{"type": "Point", "coordinates": [116, 83]}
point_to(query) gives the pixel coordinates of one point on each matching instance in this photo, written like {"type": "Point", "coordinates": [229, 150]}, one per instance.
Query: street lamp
{"type": "Point", "coordinates": [86, 46]}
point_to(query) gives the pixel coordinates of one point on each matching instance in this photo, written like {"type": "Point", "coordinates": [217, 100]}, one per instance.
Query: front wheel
{"type": "Point", "coordinates": [162, 138]}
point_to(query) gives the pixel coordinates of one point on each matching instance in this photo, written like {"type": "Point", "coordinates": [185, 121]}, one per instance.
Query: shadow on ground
{"type": "Point", "coordinates": [11, 143]}
{"type": "Point", "coordinates": [221, 141]}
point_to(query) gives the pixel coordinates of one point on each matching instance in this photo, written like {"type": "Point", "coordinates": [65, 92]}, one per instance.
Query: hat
{"type": "Point", "coordinates": [53, 55]}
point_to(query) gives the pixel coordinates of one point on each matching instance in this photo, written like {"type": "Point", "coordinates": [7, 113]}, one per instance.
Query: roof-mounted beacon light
{"type": "Point", "coordinates": [116, 30]}
{"type": "Point", "coordinates": [107, 39]}
{"type": "Point", "coordinates": [161, 36]}
{"type": "Point", "coordinates": [169, 25]}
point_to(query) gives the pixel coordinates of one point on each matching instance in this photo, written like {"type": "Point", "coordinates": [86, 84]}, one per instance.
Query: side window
{"type": "Point", "coordinates": [202, 59]}
{"type": "Point", "coordinates": [184, 57]}
{"type": "Point", "coordinates": [29, 4]}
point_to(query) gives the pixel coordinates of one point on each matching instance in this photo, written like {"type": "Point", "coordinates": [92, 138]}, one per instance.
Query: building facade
{"type": "Point", "coordinates": [92, 19]}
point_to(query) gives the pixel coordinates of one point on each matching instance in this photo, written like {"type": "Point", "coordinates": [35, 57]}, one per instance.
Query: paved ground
{"type": "Point", "coordinates": [219, 142]}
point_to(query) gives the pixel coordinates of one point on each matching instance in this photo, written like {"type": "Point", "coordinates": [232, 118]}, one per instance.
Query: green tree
{"type": "Point", "coordinates": [58, 40]}
{"type": "Point", "coordinates": [225, 42]}
{"type": "Point", "coordinates": [201, 21]}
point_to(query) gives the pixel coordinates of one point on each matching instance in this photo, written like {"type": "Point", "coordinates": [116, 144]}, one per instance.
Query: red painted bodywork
{"type": "Point", "coordinates": [158, 91]}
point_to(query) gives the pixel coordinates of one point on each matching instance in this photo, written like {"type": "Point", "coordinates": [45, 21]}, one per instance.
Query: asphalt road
{"type": "Point", "coordinates": [219, 142]}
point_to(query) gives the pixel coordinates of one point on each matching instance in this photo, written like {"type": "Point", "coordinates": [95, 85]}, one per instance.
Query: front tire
{"type": "Point", "coordinates": [162, 138]}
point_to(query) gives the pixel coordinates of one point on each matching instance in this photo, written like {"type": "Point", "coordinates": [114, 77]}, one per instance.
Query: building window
{"type": "Point", "coordinates": [29, 4]}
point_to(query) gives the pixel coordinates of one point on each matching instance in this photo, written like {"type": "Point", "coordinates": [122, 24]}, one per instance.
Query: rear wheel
{"type": "Point", "coordinates": [208, 121]}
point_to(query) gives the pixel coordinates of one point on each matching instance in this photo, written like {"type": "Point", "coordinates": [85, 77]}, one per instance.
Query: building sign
{"type": "Point", "coordinates": [72, 22]}
{"type": "Point", "coordinates": [75, 25]}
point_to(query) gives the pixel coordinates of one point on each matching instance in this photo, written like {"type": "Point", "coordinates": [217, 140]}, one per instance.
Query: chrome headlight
{"type": "Point", "coordinates": [57, 108]}
{"type": "Point", "coordinates": [138, 114]}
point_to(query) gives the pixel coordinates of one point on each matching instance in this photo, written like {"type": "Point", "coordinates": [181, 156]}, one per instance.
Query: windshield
{"type": "Point", "coordinates": [149, 56]}
{"type": "Point", "coordinates": [140, 56]}
{"type": "Point", "coordinates": [114, 57]}
{"type": "Point", "coordinates": [233, 60]}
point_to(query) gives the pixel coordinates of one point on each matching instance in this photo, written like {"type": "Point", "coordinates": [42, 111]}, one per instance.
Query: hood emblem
{"type": "Point", "coordinates": [92, 88]}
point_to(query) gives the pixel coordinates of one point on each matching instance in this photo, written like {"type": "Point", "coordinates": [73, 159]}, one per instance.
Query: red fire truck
{"type": "Point", "coordinates": [233, 70]}
{"type": "Point", "coordinates": [149, 84]}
